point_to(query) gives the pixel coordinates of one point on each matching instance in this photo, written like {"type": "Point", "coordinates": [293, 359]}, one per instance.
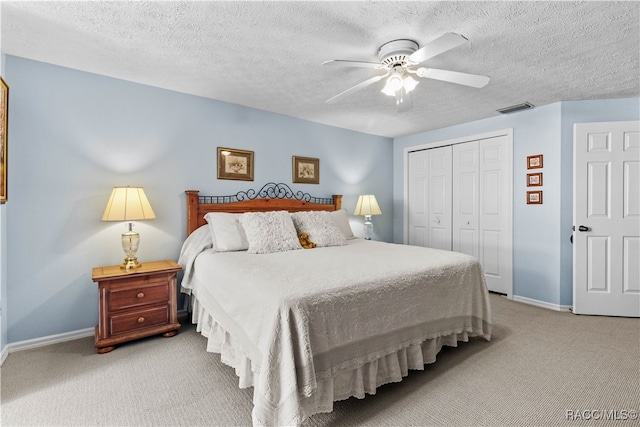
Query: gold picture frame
{"type": "Point", "coordinates": [534, 162]}
{"type": "Point", "coordinates": [534, 197]}
{"type": "Point", "coordinates": [534, 179]}
{"type": "Point", "coordinates": [305, 170]}
{"type": "Point", "coordinates": [235, 164]}
{"type": "Point", "coordinates": [4, 123]}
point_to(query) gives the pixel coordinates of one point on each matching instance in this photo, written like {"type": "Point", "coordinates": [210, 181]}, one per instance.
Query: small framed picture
{"type": "Point", "coordinates": [235, 164]}
{"type": "Point", "coordinates": [534, 162]}
{"type": "Point", "coordinates": [306, 170]}
{"type": "Point", "coordinates": [534, 197]}
{"type": "Point", "coordinates": [534, 179]}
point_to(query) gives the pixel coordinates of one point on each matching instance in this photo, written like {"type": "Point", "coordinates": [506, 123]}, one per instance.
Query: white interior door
{"type": "Point", "coordinates": [418, 182]}
{"type": "Point", "coordinates": [465, 198]}
{"type": "Point", "coordinates": [495, 222]}
{"type": "Point", "coordinates": [440, 190]}
{"type": "Point", "coordinates": [482, 207]}
{"type": "Point", "coordinates": [462, 190]}
{"type": "Point", "coordinates": [606, 250]}
{"type": "Point", "coordinates": [430, 198]}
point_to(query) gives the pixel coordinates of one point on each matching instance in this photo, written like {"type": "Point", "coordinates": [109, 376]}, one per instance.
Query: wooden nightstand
{"type": "Point", "coordinates": [136, 303]}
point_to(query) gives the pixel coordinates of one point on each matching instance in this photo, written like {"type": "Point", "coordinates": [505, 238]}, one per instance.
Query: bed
{"type": "Point", "coordinates": [306, 328]}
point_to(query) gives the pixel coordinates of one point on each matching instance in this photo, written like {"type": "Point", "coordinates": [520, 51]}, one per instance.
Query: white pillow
{"type": "Point", "coordinates": [320, 228]}
{"type": "Point", "coordinates": [195, 243]}
{"type": "Point", "coordinates": [226, 231]}
{"type": "Point", "coordinates": [269, 232]}
{"type": "Point", "coordinates": [341, 220]}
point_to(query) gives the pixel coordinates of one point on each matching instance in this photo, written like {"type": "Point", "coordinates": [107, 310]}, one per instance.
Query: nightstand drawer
{"type": "Point", "coordinates": [138, 280]}
{"type": "Point", "coordinates": [124, 298]}
{"type": "Point", "coordinates": [128, 322]}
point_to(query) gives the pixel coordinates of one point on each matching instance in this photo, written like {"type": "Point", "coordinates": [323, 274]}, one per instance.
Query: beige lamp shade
{"type": "Point", "coordinates": [128, 204]}
{"type": "Point", "coordinates": [367, 205]}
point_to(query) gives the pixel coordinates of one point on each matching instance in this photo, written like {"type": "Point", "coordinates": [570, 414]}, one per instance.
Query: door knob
{"type": "Point", "coordinates": [583, 228]}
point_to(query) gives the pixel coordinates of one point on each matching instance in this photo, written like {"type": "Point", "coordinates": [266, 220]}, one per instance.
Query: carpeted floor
{"type": "Point", "coordinates": [542, 368]}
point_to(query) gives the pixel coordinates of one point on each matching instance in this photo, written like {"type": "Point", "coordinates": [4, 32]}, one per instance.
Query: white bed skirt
{"type": "Point", "coordinates": [354, 382]}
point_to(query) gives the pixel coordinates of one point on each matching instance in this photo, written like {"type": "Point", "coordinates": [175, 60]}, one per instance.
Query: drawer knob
{"type": "Point", "coordinates": [140, 319]}
{"type": "Point", "coordinates": [140, 295]}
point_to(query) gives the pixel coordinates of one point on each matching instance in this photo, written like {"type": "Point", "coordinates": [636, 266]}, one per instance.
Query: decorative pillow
{"type": "Point", "coordinates": [341, 220]}
{"type": "Point", "coordinates": [269, 232]}
{"type": "Point", "coordinates": [319, 227]}
{"type": "Point", "coordinates": [226, 232]}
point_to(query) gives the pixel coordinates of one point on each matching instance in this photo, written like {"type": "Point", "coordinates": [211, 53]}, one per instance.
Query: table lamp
{"type": "Point", "coordinates": [367, 205]}
{"type": "Point", "coordinates": [128, 204]}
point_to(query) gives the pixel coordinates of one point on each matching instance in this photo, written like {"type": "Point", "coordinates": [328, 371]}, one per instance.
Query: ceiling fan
{"type": "Point", "coordinates": [399, 59]}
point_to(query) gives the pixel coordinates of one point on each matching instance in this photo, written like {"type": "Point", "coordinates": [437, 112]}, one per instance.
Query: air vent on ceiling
{"type": "Point", "coordinates": [514, 108]}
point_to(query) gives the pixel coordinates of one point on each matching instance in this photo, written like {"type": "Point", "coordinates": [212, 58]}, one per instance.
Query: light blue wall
{"type": "Point", "coordinates": [75, 135]}
{"type": "Point", "coordinates": [542, 257]}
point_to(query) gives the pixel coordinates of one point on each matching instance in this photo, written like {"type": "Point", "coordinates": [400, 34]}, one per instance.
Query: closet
{"type": "Point", "coordinates": [460, 199]}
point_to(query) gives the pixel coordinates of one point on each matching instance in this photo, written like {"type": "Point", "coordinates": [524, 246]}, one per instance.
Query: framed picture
{"type": "Point", "coordinates": [534, 162]}
{"type": "Point", "coordinates": [235, 164]}
{"type": "Point", "coordinates": [4, 121]}
{"type": "Point", "coordinates": [534, 197]}
{"type": "Point", "coordinates": [306, 170]}
{"type": "Point", "coordinates": [534, 179]}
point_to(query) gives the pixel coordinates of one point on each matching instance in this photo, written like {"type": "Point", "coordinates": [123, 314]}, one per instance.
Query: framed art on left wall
{"type": "Point", "coordinates": [4, 121]}
{"type": "Point", "coordinates": [235, 164]}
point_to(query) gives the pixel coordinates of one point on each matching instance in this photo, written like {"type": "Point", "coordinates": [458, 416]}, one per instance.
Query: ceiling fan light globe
{"type": "Point", "coordinates": [394, 83]}
{"type": "Point", "coordinates": [388, 91]}
{"type": "Point", "coordinates": [410, 84]}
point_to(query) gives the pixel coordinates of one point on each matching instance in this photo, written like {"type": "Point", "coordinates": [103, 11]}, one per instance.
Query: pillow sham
{"type": "Point", "coordinates": [341, 220]}
{"type": "Point", "coordinates": [269, 232]}
{"type": "Point", "coordinates": [320, 228]}
{"type": "Point", "coordinates": [226, 232]}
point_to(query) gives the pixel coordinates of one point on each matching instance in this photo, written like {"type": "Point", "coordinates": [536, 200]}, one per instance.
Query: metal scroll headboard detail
{"type": "Point", "coordinates": [268, 191]}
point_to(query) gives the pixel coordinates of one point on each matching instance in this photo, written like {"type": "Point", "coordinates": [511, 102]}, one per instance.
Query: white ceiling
{"type": "Point", "coordinates": [269, 55]}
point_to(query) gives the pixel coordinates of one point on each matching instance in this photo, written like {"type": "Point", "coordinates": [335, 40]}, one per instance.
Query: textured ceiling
{"type": "Point", "coordinates": [269, 55]}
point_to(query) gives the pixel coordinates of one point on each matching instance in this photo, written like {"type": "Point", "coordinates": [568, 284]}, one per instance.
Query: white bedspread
{"type": "Point", "coordinates": [308, 327]}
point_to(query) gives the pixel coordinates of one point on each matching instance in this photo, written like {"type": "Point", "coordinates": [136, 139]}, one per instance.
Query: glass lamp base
{"type": "Point", "coordinates": [130, 243]}
{"type": "Point", "coordinates": [368, 227]}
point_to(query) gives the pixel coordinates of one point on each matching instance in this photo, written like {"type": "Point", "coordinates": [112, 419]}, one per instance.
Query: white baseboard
{"type": "Point", "coordinates": [3, 354]}
{"type": "Point", "coordinates": [543, 304]}
{"type": "Point", "coordinates": [41, 342]}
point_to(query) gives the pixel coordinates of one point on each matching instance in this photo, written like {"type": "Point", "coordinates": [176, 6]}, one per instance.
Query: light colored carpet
{"type": "Point", "coordinates": [539, 365]}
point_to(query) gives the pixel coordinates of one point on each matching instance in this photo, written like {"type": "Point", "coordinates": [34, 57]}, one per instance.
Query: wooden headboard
{"type": "Point", "coordinates": [271, 197]}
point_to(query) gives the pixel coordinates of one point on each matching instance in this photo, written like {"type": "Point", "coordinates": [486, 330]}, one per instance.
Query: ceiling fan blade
{"type": "Point", "coordinates": [345, 63]}
{"type": "Point", "coordinates": [445, 42]}
{"type": "Point", "coordinates": [403, 100]}
{"type": "Point", "coordinates": [473, 80]}
{"type": "Point", "coordinates": [357, 87]}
